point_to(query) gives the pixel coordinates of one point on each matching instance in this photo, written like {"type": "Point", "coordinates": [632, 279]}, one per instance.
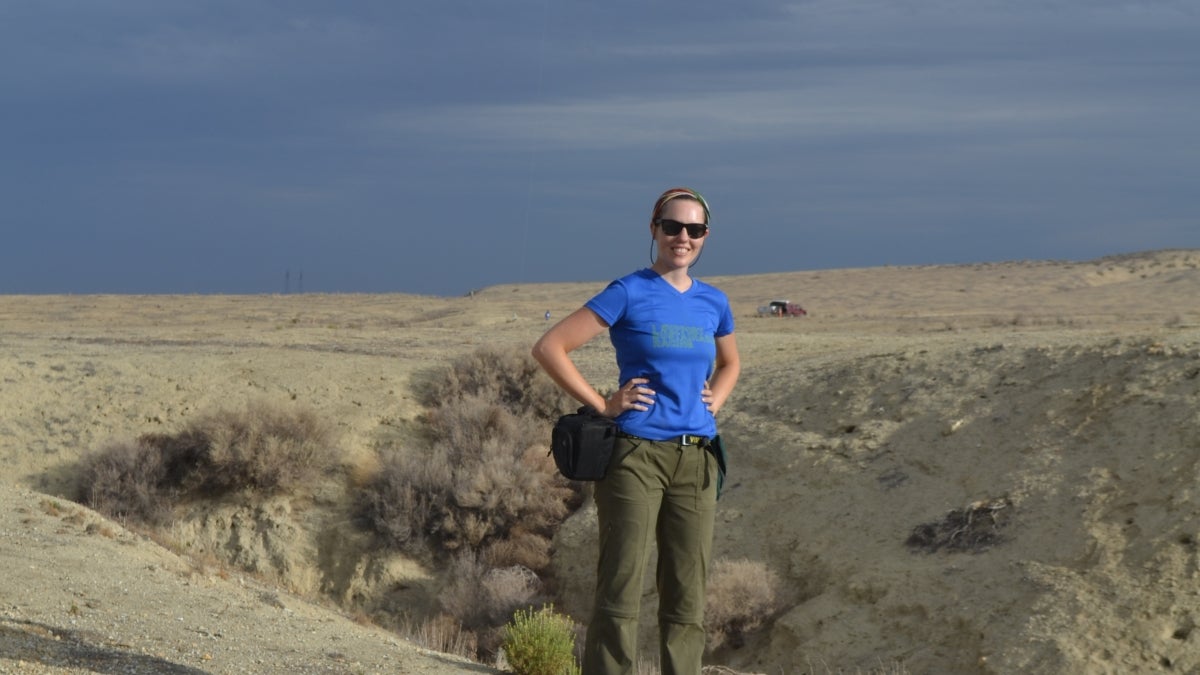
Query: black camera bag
{"type": "Point", "coordinates": [582, 444]}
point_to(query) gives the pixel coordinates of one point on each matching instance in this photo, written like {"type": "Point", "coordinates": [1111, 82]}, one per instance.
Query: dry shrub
{"type": "Point", "coordinates": [526, 549]}
{"type": "Point", "coordinates": [468, 423]}
{"type": "Point", "coordinates": [973, 529]}
{"type": "Point", "coordinates": [505, 375]}
{"type": "Point", "coordinates": [444, 634]}
{"type": "Point", "coordinates": [264, 447]}
{"type": "Point", "coordinates": [460, 598]}
{"type": "Point", "coordinates": [742, 596]}
{"type": "Point", "coordinates": [893, 668]}
{"type": "Point", "coordinates": [505, 589]}
{"type": "Point", "coordinates": [485, 478]}
{"type": "Point", "coordinates": [125, 480]}
{"type": "Point", "coordinates": [401, 500]}
{"type": "Point", "coordinates": [272, 448]}
{"type": "Point", "coordinates": [483, 597]}
{"type": "Point", "coordinates": [482, 492]}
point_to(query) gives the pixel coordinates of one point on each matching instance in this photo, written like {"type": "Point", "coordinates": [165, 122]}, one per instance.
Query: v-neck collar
{"type": "Point", "coordinates": [672, 286]}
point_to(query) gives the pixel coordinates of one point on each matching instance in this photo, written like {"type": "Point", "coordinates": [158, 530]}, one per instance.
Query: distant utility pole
{"type": "Point", "coordinates": [302, 281]}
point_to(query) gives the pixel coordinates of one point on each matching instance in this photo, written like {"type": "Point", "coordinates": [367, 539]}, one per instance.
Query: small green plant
{"type": "Point", "coordinates": [540, 642]}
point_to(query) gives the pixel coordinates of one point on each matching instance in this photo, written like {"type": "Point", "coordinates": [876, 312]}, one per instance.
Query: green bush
{"type": "Point", "coordinates": [540, 643]}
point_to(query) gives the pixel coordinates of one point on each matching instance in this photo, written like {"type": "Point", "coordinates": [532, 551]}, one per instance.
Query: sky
{"type": "Point", "coordinates": [440, 146]}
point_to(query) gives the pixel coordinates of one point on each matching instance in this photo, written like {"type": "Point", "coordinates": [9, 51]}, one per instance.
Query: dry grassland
{"type": "Point", "coordinates": [970, 469]}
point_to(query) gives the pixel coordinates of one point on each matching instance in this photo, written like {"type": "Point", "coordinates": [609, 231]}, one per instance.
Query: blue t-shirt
{"type": "Point", "coordinates": [667, 337]}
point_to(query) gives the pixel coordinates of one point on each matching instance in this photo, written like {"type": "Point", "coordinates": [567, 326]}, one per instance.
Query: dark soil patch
{"type": "Point", "coordinates": [970, 530]}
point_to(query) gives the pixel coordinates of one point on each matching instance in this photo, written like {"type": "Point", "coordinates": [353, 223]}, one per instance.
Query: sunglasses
{"type": "Point", "coordinates": [674, 227]}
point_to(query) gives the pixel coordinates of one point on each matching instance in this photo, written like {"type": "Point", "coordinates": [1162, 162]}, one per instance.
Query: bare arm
{"type": "Point", "coordinates": [552, 352]}
{"type": "Point", "coordinates": [725, 374]}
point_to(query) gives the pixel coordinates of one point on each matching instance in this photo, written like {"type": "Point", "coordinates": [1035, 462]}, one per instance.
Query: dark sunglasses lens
{"type": "Point", "coordinates": [673, 227]}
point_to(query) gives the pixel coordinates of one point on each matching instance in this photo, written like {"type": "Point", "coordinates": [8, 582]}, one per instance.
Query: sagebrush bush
{"type": "Point", "coordinates": [263, 447]}
{"type": "Point", "coordinates": [266, 447]}
{"type": "Point", "coordinates": [540, 642]}
{"type": "Point", "coordinates": [508, 588]}
{"type": "Point", "coordinates": [480, 596]}
{"type": "Point", "coordinates": [445, 634]}
{"type": "Point", "coordinates": [400, 501]}
{"type": "Point", "coordinates": [486, 479]}
{"type": "Point", "coordinates": [477, 488]}
{"type": "Point", "coordinates": [467, 423]}
{"type": "Point", "coordinates": [742, 596]}
{"type": "Point", "coordinates": [520, 547]}
{"type": "Point", "coordinates": [125, 480]}
{"type": "Point", "coordinates": [460, 596]}
{"type": "Point", "coordinates": [504, 375]}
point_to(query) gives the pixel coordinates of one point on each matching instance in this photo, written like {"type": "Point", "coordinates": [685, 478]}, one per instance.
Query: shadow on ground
{"type": "Point", "coordinates": [38, 643]}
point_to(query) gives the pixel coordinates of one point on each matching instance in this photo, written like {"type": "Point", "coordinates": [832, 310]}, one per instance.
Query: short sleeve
{"type": "Point", "coordinates": [611, 303]}
{"type": "Point", "coordinates": [725, 322]}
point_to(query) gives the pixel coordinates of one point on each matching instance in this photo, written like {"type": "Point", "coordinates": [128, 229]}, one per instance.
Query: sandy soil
{"type": "Point", "coordinates": [970, 469]}
{"type": "Point", "coordinates": [83, 595]}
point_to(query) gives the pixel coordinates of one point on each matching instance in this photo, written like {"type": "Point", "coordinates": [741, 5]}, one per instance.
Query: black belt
{"type": "Point", "coordinates": [685, 439]}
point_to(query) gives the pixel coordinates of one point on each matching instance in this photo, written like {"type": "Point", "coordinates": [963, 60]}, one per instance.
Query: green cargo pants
{"type": "Point", "coordinates": [653, 491]}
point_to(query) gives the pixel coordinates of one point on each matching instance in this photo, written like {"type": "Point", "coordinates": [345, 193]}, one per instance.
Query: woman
{"type": "Point", "coordinates": [678, 363]}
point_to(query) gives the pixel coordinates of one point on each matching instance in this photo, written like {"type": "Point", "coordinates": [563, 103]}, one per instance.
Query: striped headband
{"type": "Point", "coordinates": [679, 192]}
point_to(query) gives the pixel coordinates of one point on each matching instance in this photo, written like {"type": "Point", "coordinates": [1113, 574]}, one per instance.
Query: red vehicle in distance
{"type": "Point", "coordinates": [781, 308]}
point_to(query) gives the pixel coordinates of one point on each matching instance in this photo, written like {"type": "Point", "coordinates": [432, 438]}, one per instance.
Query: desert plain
{"type": "Point", "coordinates": [985, 468]}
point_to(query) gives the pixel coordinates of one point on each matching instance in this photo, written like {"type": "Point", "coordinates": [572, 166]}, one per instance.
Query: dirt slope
{"type": "Point", "coordinates": [969, 469]}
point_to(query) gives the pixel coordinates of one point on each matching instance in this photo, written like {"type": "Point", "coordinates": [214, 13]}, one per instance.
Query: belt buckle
{"type": "Point", "coordinates": [688, 439]}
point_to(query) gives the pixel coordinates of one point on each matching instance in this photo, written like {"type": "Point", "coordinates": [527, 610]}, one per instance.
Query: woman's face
{"type": "Point", "coordinates": [679, 250]}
